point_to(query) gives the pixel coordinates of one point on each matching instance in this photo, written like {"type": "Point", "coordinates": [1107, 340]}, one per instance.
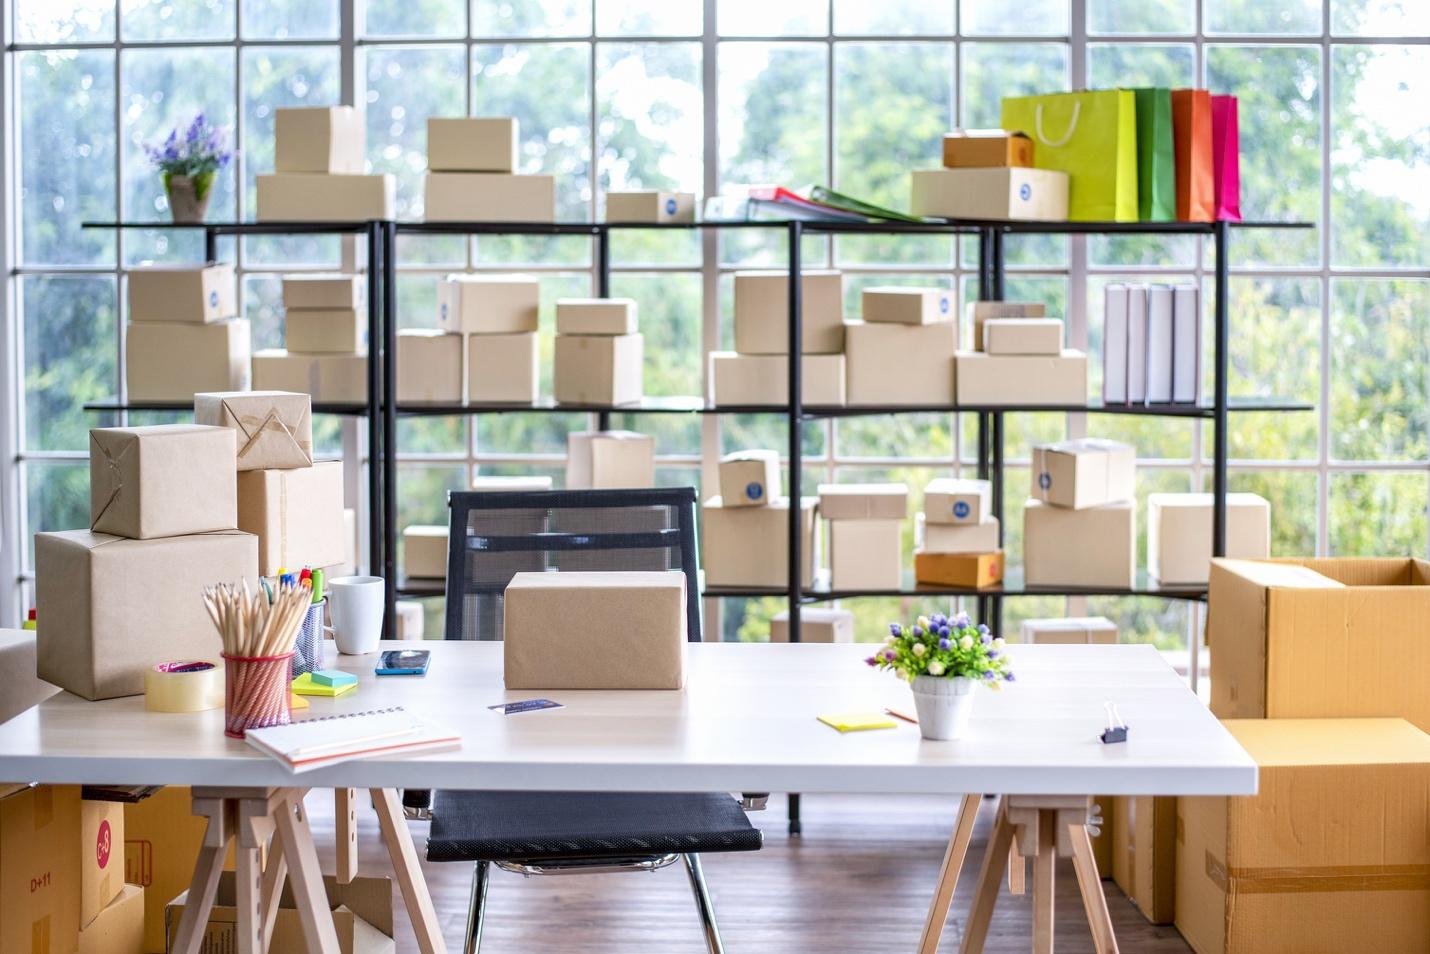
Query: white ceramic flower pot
{"type": "Point", "coordinates": [943, 705]}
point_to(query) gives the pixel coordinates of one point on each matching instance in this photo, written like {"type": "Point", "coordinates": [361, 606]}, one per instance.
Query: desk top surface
{"type": "Point", "coordinates": [746, 721]}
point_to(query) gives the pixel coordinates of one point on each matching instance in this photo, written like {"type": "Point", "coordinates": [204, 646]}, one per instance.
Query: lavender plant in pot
{"type": "Point", "coordinates": [944, 659]}
{"type": "Point", "coordinates": [189, 160]}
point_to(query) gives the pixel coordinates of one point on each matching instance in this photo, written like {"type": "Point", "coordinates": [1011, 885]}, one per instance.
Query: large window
{"type": "Point", "coordinates": [633, 93]}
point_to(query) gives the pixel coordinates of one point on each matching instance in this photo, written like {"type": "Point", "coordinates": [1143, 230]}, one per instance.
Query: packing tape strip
{"type": "Point", "coordinates": [1320, 878]}
{"type": "Point", "coordinates": [191, 686]}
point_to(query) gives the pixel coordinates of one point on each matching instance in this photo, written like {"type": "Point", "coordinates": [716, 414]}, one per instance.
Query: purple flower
{"type": "Point", "coordinates": [993, 654]}
{"type": "Point", "coordinates": [889, 655]}
{"type": "Point", "coordinates": [1008, 676]}
{"type": "Point", "coordinates": [944, 644]}
{"type": "Point", "coordinates": [961, 620]}
{"type": "Point", "coordinates": [944, 631]}
{"type": "Point", "coordinates": [986, 638]}
{"type": "Point", "coordinates": [918, 632]}
{"type": "Point", "coordinates": [871, 661]}
{"type": "Point", "coordinates": [896, 630]}
{"type": "Point", "coordinates": [989, 674]}
{"type": "Point", "coordinates": [983, 628]}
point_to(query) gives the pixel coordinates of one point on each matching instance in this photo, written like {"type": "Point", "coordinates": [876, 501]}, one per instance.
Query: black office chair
{"type": "Point", "coordinates": [494, 536]}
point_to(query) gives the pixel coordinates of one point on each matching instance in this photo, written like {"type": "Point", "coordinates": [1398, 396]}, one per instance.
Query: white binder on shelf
{"type": "Point", "coordinates": [1186, 344]}
{"type": "Point", "coordinates": [1159, 344]}
{"type": "Point", "coordinates": [1114, 345]}
{"type": "Point", "coordinates": [1136, 344]}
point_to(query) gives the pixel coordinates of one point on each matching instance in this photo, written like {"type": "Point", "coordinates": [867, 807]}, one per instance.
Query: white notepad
{"type": "Point", "coordinates": [1186, 345]}
{"type": "Point", "coordinates": [1159, 344]}
{"type": "Point", "coordinates": [326, 740]}
{"type": "Point", "coordinates": [1137, 344]}
{"type": "Point", "coordinates": [1114, 345]}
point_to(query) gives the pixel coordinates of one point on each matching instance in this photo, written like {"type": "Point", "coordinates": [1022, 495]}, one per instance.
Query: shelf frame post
{"type": "Point", "coordinates": [388, 245]}
{"type": "Point", "coordinates": [1221, 447]}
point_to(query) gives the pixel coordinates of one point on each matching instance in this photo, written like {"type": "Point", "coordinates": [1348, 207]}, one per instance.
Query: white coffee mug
{"type": "Point", "coordinates": [355, 604]}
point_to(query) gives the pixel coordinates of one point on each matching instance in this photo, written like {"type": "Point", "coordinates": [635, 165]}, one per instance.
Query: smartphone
{"type": "Point", "coordinates": [404, 662]}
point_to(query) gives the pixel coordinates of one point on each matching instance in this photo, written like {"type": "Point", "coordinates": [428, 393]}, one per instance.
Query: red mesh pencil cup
{"type": "Point", "coordinates": [256, 693]}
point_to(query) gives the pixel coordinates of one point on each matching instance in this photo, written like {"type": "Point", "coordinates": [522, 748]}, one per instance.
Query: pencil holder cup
{"type": "Point", "coordinates": [308, 655]}
{"type": "Point", "coordinates": [256, 693]}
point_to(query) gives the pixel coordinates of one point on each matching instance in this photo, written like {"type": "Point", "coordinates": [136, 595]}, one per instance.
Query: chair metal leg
{"type": "Point", "coordinates": [476, 911]}
{"type": "Point", "coordinates": [795, 828]}
{"type": "Point", "coordinates": [713, 943]}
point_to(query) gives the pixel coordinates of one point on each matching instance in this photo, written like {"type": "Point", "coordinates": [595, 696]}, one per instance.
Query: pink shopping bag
{"type": "Point", "coordinates": [1226, 159]}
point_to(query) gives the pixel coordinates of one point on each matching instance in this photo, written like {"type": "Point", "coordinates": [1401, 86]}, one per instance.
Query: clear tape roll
{"type": "Point", "coordinates": [188, 686]}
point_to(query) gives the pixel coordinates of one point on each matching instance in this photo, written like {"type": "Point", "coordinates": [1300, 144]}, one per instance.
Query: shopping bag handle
{"type": "Point", "coordinates": [1072, 126]}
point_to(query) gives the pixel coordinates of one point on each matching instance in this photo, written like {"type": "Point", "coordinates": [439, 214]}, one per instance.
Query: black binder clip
{"type": "Point", "coordinates": [1116, 730]}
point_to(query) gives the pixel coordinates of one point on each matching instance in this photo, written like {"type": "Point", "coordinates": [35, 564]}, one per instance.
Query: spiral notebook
{"type": "Point", "coordinates": [327, 740]}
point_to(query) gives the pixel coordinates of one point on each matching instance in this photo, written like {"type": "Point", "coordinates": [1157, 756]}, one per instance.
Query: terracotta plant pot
{"type": "Point", "coordinates": [189, 196]}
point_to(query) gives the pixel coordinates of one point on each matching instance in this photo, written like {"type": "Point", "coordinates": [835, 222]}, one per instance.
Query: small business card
{"type": "Point", "coordinates": [526, 705]}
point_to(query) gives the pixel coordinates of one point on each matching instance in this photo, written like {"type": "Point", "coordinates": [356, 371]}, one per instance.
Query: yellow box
{"type": "Point", "coordinates": [194, 294]}
{"type": "Point", "coordinates": [101, 852]}
{"type": "Point", "coordinates": [317, 197]}
{"type": "Point", "coordinates": [762, 312]}
{"type": "Point", "coordinates": [327, 378]}
{"type": "Point", "coordinates": [986, 149]}
{"type": "Point", "coordinates": [599, 369]}
{"type": "Point", "coordinates": [762, 380]}
{"type": "Point", "coordinates": [473, 144]}
{"type": "Point", "coordinates": [327, 139]}
{"type": "Point", "coordinates": [749, 546]}
{"type": "Point", "coordinates": [430, 366]}
{"type": "Point", "coordinates": [296, 514]}
{"type": "Point", "coordinates": [1144, 853]}
{"type": "Point", "coordinates": [901, 364]}
{"type": "Point", "coordinates": [489, 197]}
{"type": "Point", "coordinates": [967, 570]}
{"type": "Point", "coordinates": [169, 361]}
{"type": "Point", "coordinates": [39, 870]}
{"type": "Point", "coordinates": [503, 368]}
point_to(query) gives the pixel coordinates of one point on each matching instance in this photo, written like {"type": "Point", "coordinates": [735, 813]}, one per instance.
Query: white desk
{"type": "Point", "coordinates": [745, 722]}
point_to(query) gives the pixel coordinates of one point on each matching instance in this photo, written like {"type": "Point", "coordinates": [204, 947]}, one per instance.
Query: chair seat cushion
{"type": "Point", "coordinates": [532, 826]}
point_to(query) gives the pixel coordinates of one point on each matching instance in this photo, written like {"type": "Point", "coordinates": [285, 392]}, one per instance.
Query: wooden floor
{"type": "Point", "coordinates": [859, 880]}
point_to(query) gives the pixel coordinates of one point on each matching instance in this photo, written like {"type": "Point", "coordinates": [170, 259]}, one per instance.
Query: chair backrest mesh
{"type": "Point", "coordinates": [494, 536]}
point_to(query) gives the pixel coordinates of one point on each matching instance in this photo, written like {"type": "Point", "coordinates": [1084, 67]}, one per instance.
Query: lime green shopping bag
{"type": "Point", "coordinates": [1156, 160]}
{"type": "Point", "coordinates": [1092, 136]}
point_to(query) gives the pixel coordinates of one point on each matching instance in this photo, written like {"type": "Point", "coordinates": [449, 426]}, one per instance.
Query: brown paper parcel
{"type": "Point", "coordinates": [275, 428]}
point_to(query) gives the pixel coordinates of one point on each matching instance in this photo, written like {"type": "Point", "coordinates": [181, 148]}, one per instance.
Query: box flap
{"type": "Point", "coordinates": [1292, 742]}
{"type": "Point", "coordinates": [1282, 573]}
{"type": "Point", "coordinates": [1369, 571]}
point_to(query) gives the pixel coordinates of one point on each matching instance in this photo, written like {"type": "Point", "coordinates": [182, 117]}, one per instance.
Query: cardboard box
{"type": "Point", "coordinates": [650, 206]}
{"type": "Point", "coordinates": [410, 620]}
{"type": "Point", "coordinates": [1095, 547]}
{"type": "Point", "coordinates": [473, 144]}
{"type": "Point", "coordinates": [1013, 380]}
{"type": "Point", "coordinates": [430, 366]}
{"type": "Point", "coordinates": [599, 369]}
{"type": "Point", "coordinates": [981, 311]}
{"type": "Point", "coordinates": [39, 870]}
{"type": "Point", "coordinates": [192, 294]}
{"type": "Point", "coordinates": [162, 837]}
{"type": "Point", "coordinates": [489, 197]}
{"type": "Point", "coordinates": [167, 361]}
{"type": "Point", "coordinates": [162, 481]}
{"type": "Point", "coordinates": [324, 292]}
{"type": "Point", "coordinates": [907, 306]}
{"type": "Point", "coordinates": [490, 484]}
{"type": "Point", "coordinates": [863, 501]}
{"type": "Point", "coordinates": [762, 380]}
{"type": "Point", "coordinates": [1144, 854]}
{"type": "Point", "coordinates": [986, 149]}
{"type": "Point", "coordinates": [1079, 630]}
{"type": "Point", "coordinates": [101, 850]}
{"type": "Point", "coordinates": [1179, 534]}
{"type": "Point", "coordinates": [1012, 194]}
{"type": "Point", "coordinates": [749, 546]}
{"type": "Point", "coordinates": [503, 368]}
{"type": "Point", "coordinates": [119, 928]}
{"type": "Point", "coordinates": [1086, 472]}
{"type": "Point", "coordinates": [101, 631]}
{"type": "Point", "coordinates": [20, 688]}
{"type": "Point", "coordinates": [1331, 854]}
{"type": "Point", "coordinates": [297, 515]}
{"type": "Point", "coordinates": [298, 197]}
{"type": "Point", "coordinates": [271, 428]}
{"type": "Point", "coordinates": [979, 537]}
{"type": "Point", "coordinates": [488, 304]}
{"type": "Point", "coordinates": [762, 312]}
{"type": "Point", "coordinates": [326, 139]}
{"type": "Point", "coordinates": [325, 330]}
{"type": "Point", "coordinates": [966, 570]}
{"type": "Point", "coordinates": [362, 917]}
{"type": "Point", "coordinates": [596, 316]}
{"type": "Point", "coordinates": [424, 552]}
{"type": "Point", "coordinates": [750, 478]}
{"type": "Point", "coordinates": [816, 625]}
{"type": "Point", "coordinates": [327, 378]}
{"type": "Point", "coordinates": [1319, 638]}
{"type": "Point", "coordinates": [901, 364]}
{"type": "Point", "coordinates": [953, 500]}
{"type": "Point", "coordinates": [1023, 336]}
{"type": "Point", "coordinates": [634, 627]}
{"type": "Point", "coordinates": [609, 459]}
{"type": "Point", "coordinates": [866, 554]}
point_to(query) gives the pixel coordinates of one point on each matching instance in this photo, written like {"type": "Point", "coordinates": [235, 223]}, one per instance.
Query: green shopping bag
{"type": "Point", "coordinates": [1092, 136]}
{"type": "Point", "coordinates": [1156, 162]}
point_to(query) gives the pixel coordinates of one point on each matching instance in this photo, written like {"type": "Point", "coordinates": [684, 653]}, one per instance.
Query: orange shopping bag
{"type": "Point", "coordinates": [1192, 141]}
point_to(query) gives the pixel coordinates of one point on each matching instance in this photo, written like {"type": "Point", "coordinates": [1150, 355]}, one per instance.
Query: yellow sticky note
{"type": "Point", "coordinates": [296, 701]}
{"type": "Point", "coordinates": [858, 721]}
{"type": "Point", "coordinates": [305, 686]}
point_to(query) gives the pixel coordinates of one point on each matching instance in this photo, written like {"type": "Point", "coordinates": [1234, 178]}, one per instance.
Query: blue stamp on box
{"type": "Point", "coordinates": [943, 305]}
{"type": "Point", "coordinates": [960, 509]}
{"type": "Point", "coordinates": [755, 490]}
{"type": "Point", "coordinates": [213, 299]}
{"type": "Point", "coordinates": [669, 206]}
{"type": "Point", "coordinates": [1045, 480]}
{"type": "Point", "coordinates": [1025, 192]}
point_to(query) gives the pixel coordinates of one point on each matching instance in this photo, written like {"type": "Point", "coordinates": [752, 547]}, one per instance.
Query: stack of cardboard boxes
{"type": "Point", "coordinates": [472, 174]}
{"type": "Point", "coordinates": [988, 174]}
{"type": "Point", "coordinates": [182, 335]}
{"type": "Point", "coordinates": [956, 539]}
{"type": "Point", "coordinates": [598, 460]}
{"type": "Point", "coordinates": [318, 157]}
{"type": "Point", "coordinates": [599, 352]}
{"type": "Point", "coordinates": [757, 372]}
{"type": "Point", "coordinates": [1080, 521]}
{"type": "Point", "coordinates": [902, 352]}
{"type": "Point", "coordinates": [124, 595]}
{"type": "Point", "coordinates": [744, 534]}
{"type": "Point", "coordinates": [485, 346]}
{"type": "Point", "coordinates": [866, 523]}
{"type": "Point", "coordinates": [326, 337]}
{"type": "Point", "coordinates": [1018, 358]}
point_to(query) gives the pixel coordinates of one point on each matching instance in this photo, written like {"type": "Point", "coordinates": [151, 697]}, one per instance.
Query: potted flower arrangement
{"type": "Point", "coordinates": [189, 160]}
{"type": "Point", "coordinates": [944, 659]}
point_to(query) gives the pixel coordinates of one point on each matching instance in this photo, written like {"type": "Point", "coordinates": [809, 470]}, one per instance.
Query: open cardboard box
{"type": "Point", "coordinates": [362, 915]}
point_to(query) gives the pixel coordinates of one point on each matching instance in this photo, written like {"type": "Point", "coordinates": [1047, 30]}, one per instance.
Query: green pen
{"type": "Point", "coordinates": [318, 579]}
